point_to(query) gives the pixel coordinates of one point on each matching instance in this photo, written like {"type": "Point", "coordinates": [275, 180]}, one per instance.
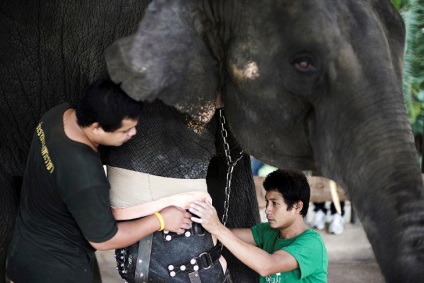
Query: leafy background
{"type": "Point", "coordinates": [412, 12]}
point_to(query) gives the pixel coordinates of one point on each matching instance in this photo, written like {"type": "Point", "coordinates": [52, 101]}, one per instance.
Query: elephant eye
{"type": "Point", "coordinates": [304, 64]}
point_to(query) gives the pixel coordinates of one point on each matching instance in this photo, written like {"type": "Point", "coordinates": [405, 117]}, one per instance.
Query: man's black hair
{"type": "Point", "coordinates": [293, 186]}
{"type": "Point", "coordinates": [107, 104]}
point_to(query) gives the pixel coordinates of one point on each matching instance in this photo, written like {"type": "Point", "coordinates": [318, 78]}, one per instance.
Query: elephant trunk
{"type": "Point", "coordinates": [378, 165]}
{"type": "Point", "coordinates": [389, 200]}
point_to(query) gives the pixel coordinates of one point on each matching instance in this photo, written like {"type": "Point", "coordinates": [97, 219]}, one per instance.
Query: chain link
{"type": "Point", "coordinates": [230, 165]}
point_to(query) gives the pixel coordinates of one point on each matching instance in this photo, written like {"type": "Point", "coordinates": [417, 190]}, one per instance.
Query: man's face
{"type": "Point", "coordinates": [121, 135]}
{"type": "Point", "coordinates": [276, 211]}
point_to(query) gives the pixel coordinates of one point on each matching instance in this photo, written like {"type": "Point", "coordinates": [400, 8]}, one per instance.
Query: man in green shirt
{"type": "Point", "coordinates": [283, 249]}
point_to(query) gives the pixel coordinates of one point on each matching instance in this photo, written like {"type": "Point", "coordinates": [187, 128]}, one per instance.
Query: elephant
{"type": "Point", "coordinates": [305, 84]}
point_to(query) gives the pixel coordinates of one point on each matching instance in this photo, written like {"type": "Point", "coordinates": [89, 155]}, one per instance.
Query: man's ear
{"type": "Point", "coordinates": [169, 59]}
{"type": "Point", "coordinates": [299, 206]}
{"type": "Point", "coordinates": [95, 128]}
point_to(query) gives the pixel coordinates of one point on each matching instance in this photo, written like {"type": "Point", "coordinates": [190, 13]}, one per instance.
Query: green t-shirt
{"type": "Point", "coordinates": [64, 204]}
{"type": "Point", "coordinates": [307, 248]}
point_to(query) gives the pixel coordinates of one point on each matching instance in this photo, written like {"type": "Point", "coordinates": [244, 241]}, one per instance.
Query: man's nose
{"type": "Point", "coordinates": [267, 209]}
{"type": "Point", "coordinates": [133, 132]}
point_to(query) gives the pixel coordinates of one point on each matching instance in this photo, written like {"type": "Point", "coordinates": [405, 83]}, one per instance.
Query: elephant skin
{"type": "Point", "coordinates": [306, 84]}
{"type": "Point", "coordinates": [50, 52]}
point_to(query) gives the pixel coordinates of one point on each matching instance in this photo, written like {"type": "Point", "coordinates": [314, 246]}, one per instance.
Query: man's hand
{"type": "Point", "coordinates": [176, 219]}
{"type": "Point", "coordinates": [206, 215]}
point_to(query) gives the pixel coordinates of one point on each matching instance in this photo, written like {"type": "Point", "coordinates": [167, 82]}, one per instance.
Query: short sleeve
{"type": "Point", "coordinates": [258, 234]}
{"type": "Point", "coordinates": [84, 188]}
{"type": "Point", "coordinates": [91, 210]}
{"type": "Point", "coordinates": [309, 251]}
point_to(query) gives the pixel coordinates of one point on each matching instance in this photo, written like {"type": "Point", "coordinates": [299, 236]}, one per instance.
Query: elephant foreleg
{"type": "Point", "coordinates": [243, 206]}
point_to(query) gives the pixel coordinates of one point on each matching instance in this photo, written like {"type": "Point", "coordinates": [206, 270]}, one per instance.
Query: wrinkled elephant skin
{"type": "Point", "coordinates": [305, 84]}
{"type": "Point", "coordinates": [50, 52]}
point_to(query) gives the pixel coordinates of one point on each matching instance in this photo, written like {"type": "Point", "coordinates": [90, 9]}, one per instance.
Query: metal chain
{"type": "Point", "coordinates": [230, 165]}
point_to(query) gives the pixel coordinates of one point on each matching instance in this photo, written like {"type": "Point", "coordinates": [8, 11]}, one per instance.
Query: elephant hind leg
{"type": "Point", "coordinates": [9, 201]}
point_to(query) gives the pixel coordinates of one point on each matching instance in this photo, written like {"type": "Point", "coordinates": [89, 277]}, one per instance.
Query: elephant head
{"type": "Point", "coordinates": [305, 84]}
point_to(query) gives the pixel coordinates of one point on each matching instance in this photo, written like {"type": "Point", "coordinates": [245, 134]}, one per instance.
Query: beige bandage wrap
{"type": "Point", "coordinates": [135, 194]}
{"type": "Point", "coordinates": [129, 188]}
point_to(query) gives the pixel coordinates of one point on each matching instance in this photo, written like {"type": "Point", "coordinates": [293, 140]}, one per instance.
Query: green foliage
{"type": "Point", "coordinates": [413, 76]}
{"type": "Point", "coordinates": [401, 4]}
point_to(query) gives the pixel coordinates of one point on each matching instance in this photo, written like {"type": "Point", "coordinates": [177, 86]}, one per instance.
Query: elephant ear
{"type": "Point", "coordinates": [167, 58]}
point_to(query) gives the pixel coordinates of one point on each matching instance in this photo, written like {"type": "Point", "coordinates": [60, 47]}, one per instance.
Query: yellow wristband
{"type": "Point", "coordinates": [162, 223]}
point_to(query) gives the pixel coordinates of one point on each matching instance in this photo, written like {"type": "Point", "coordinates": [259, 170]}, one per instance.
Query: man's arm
{"type": "Point", "coordinates": [244, 234]}
{"type": "Point", "coordinates": [182, 200]}
{"type": "Point", "coordinates": [242, 245]}
{"type": "Point", "coordinates": [175, 219]}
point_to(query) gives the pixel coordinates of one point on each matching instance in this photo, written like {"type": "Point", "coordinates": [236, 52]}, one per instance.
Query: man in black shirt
{"type": "Point", "coordinates": [64, 213]}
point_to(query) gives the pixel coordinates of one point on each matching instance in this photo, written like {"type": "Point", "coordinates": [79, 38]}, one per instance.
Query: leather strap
{"type": "Point", "coordinates": [196, 229]}
{"type": "Point", "coordinates": [202, 261]}
{"type": "Point", "coordinates": [143, 259]}
{"type": "Point", "coordinates": [194, 277]}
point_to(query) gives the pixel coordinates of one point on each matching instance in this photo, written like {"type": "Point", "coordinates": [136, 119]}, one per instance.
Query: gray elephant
{"type": "Point", "coordinates": [305, 84]}
{"type": "Point", "coordinates": [333, 101]}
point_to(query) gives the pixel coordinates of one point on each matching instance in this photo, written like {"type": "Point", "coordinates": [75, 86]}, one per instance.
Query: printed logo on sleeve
{"type": "Point", "coordinates": [44, 151]}
{"type": "Point", "coordinates": [274, 278]}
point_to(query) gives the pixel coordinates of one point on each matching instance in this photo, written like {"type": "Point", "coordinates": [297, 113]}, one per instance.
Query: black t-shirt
{"type": "Point", "coordinates": [64, 203]}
